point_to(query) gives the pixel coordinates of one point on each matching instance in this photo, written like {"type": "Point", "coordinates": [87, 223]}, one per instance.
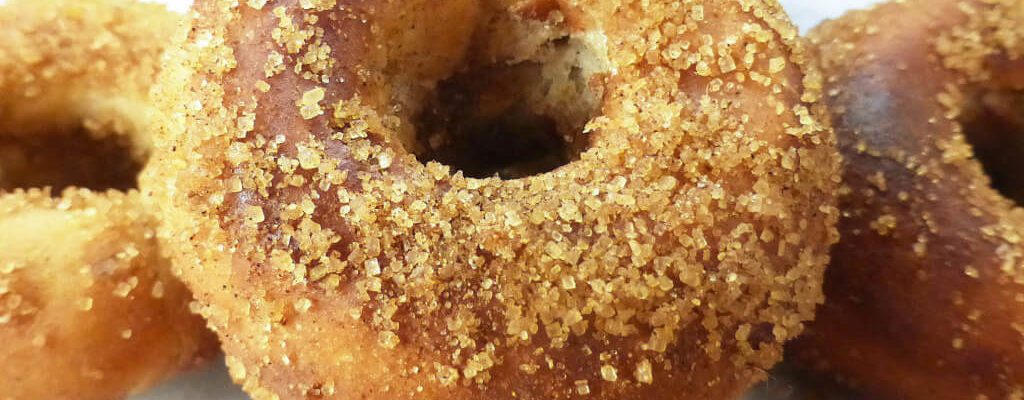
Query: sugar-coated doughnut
{"type": "Point", "coordinates": [89, 308]}
{"type": "Point", "coordinates": [468, 199]}
{"type": "Point", "coordinates": [925, 293]}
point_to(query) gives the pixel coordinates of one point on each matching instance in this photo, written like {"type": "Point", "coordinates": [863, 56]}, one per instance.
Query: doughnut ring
{"type": "Point", "coordinates": [497, 198]}
{"type": "Point", "coordinates": [926, 286]}
{"type": "Point", "coordinates": [89, 308]}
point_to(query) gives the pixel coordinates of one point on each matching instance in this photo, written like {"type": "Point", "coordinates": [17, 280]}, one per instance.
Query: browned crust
{"type": "Point", "coordinates": [924, 290]}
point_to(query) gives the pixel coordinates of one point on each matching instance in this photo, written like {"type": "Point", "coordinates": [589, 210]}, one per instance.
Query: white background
{"type": "Point", "coordinates": [213, 383]}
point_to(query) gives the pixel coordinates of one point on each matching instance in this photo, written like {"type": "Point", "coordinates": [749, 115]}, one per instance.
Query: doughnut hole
{"type": "Point", "coordinates": [517, 102]}
{"type": "Point", "coordinates": [993, 122]}
{"type": "Point", "coordinates": [79, 137]}
{"type": "Point", "coordinates": [80, 158]}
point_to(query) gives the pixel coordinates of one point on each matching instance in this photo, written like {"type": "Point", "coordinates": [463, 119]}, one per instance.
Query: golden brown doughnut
{"type": "Point", "coordinates": [925, 293]}
{"type": "Point", "coordinates": [497, 198]}
{"type": "Point", "coordinates": [89, 308]}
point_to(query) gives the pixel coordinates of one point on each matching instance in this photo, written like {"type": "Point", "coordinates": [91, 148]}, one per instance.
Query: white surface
{"type": "Point", "coordinates": [211, 383]}
{"type": "Point", "coordinates": [214, 384]}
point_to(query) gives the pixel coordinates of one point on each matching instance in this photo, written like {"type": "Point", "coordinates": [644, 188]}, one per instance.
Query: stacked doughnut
{"type": "Point", "coordinates": [511, 199]}
{"type": "Point", "coordinates": [926, 288]}
{"type": "Point", "coordinates": [498, 199]}
{"type": "Point", "coordinates": [89, 308]}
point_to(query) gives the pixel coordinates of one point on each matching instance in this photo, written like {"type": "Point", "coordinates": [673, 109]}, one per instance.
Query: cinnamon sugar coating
{"type": "Point", "coordinates": [674, 254]}
{"type": "Point", "coordinates": [89, 309]}
{"type": "Point", "coordinates": [88, 306]}
{"type": "Point", "coordinates": [925, 287]}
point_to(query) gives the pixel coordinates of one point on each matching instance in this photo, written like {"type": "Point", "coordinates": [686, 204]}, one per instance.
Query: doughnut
{"type": "Point", "coordinates": [500, 199]}
{"type": "Point", "coordinates": [925, 292]}
{"type": "Point", "coordinates": [89, 308]}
